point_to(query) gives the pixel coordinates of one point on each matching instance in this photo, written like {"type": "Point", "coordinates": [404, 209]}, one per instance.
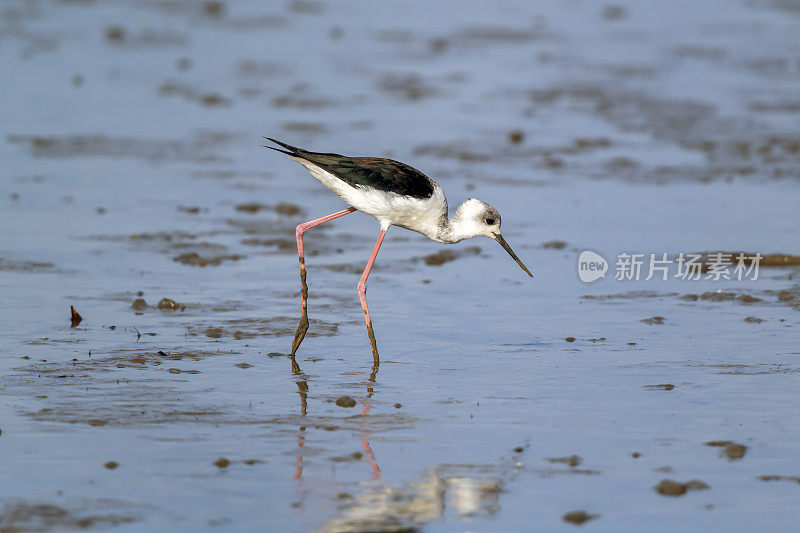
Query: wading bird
{"type": "Point", "coordinates": [397, 195]}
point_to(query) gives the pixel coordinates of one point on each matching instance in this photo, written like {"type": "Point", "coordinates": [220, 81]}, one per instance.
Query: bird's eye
{"type": "Point", "coordinates": [490, 221]}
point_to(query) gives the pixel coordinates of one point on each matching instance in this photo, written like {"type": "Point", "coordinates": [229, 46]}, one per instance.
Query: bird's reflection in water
{"type": "Point", "coordinates": [458, 491]}
{"type": "Point", "coordinates": [302, 389]}
{"type": "Point", "coordinates": [376, 470]}
{"type": "Point", "coordinates": [466, 491]}
{"type": "Point", "coordinates": [301, 380]}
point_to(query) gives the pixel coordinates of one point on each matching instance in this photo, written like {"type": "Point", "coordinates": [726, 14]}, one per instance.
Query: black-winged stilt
{"type": "Point", "coordinates": [397, 195]}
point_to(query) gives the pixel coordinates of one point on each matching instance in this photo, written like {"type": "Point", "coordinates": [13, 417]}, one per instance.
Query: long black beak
{"type": "Point", "coordinates": [499, 238]}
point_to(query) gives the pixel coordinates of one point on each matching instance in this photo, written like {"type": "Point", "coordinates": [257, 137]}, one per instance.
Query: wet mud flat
{"type": "Point", "coordinates": [135, 192]}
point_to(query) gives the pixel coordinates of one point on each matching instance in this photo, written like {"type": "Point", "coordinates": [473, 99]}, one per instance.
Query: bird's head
{"type": "Point", "coordinates": [474, 218]}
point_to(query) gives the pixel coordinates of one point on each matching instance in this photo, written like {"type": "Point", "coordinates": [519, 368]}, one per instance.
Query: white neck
{"type": "Point", "coordinates": [458, 228]}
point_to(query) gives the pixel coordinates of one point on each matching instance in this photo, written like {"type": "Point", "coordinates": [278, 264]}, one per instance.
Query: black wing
{"type": "Point", "coordinates": [372, 172]}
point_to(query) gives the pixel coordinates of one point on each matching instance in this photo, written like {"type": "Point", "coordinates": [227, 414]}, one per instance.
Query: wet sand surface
{"type": "Point", "coordinates": [134, 189]}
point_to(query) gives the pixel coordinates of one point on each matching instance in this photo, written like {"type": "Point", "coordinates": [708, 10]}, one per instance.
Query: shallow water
{"type": "Point", "coordinates": [132, 170]}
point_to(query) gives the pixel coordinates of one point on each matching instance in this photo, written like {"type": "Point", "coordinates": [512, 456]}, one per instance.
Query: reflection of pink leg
{"type": "Point", "coordinates": [376, 470]}
{"type": "Point", "coordinates": [362, 293]}
{"type": "Point", "coordinates": [298, 461]}
{"type": "Point", "coordinates": [300, 334]}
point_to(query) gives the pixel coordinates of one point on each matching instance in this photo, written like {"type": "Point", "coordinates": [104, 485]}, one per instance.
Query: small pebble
{"type": "Point", "coordinates": [115, 33]}
{"type": "Point", "coordinates": [516, 136]}
{"type": "Point", "coordinates": [346, 401]}
{"type": "Point", "coordinates": [578, 517]}
{"type": "Point", "coordinates": [167, 305]}
{"type": "Point", "coordinates": [734, 451]}
{"type": "Point", "coordinates": [668, 487]}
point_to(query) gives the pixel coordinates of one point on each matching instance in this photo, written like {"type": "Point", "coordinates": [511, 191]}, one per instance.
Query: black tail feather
{"type": "Point", "coordinates": [277, 149]}
{"type": "Point", "coordinates": [292, 150]}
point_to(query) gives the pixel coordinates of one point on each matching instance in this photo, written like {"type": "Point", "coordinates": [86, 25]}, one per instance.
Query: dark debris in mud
{"type": "Point", "coordinates": [720, 296]}
{"type": "Point", "coordinates": [784, 297]}
{"type": "Point", "coordinates": [669, 487]}
{"type": "Point", "coordinates": [578, 517]}
{"type": "Point", "coordinates": [75, 317]}
{"type": "Point", "coordinates": [183, 246]}
{"type": "Point", "coordinates": [775, 477]}
{"type": "Point", "coordinates": [161, 236]}
{"type": "Point", "coordinates": [280, 245]}
{"type": "Point", "coordinates": [192, 209]}
{"type": "Point", "coordinates": [345, 401]}
{"type": "Point", "coordinates": [408, 86]}
{"type": "Point", "coordinates": [231, 175]}
{"type": "Point", "coordinates": [516, 136]}
{"type": "Point", "coordinates": [28, 516]}
{"type": "Point", "coordinates": [475, 151]}
{"type": "Point", "coordinates": [34, 267]}
{"type": "Point", "coordinates": [123, 37]}
{"type": "Point", "coordinates": [172, 88]}
{"type": "Point", "coordinates": [759, 369]}
{"type": "Point", "coordinates": [355, 456]}
{"type": "Point", "coordinates": [248, 328]}
{"type": "Point", "coordinates": [661, 386]}
{"type": "Point", "coordinates": [549, 472]}
{"type": "Point", "coordinates": [281, 208]}
{"type": "Point", "coordinates": [554, 245]}
{"type": "Point", "coordinates": [166, 304]}
{"type": "Point", "coordinates": [630, 295]}
{"type": "Point", "coordinates": [304, 127]}
{"type": "Point", "coordinates": [731, 450]}
{"type": "Point", "coordinates": [195, 259]}
{"type": "Point", "coordinates": [571, 461]}
{"type": "Point", "coordinates": [477, 36]}
{"type": "Point", "coordinates": [214, 13]}
{"type": "Point", "coordinates": [301, 97]}
{"type": "Point", "coordinates": [136, 359]}
{"type": "Point", "coordinates": [732, 147]}
{"type": "Point", "coordinates": [766, 260]}
{"type": "Point", "coordinates": [203, 146]}
{"type": "Point", "coordinates": [446, 255]}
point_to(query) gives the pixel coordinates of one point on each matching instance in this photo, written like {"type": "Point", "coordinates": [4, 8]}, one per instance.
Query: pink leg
{"type": "Point", "coordinates": [300, 334]}
{"type": "Point", "coordinates": [362, 294]}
